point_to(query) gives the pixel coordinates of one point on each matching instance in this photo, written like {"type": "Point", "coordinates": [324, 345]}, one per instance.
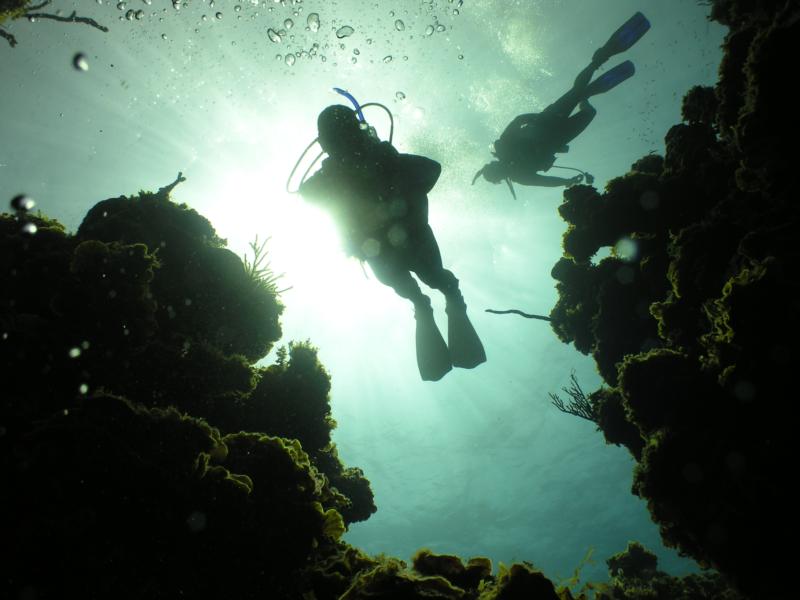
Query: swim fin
{"type": "Point", "coordinates": [611, 78]}
{"type": "Point", "coordinates": [623, 38]}
{"type": "Point", "coordinates": [433, 357]}
{"type": "Point", "coordinates": [466, 349]}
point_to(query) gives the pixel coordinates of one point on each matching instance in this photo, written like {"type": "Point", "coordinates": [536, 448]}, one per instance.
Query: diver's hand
{"type": "Point", "coordinates": [574, 180]}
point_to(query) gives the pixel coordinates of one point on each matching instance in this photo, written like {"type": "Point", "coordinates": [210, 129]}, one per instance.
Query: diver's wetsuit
{"type": "Point", "coordinates": [531, 140]}
{"type": "Point", "coordinates": [379, 199]}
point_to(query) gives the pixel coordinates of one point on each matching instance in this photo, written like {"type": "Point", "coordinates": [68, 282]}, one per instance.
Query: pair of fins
{"type": "Point", "coordinates": [623, 38]}
{"type": "Point", "coordinates": [463, 349]}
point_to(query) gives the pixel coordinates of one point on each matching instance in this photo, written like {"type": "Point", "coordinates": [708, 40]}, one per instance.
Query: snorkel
{"type": "Point", "coordinates": [362, 123]}
{"type": "Point", "coordinates": [356, 105]}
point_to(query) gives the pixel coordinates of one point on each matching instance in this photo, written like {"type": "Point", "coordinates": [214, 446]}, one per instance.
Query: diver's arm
{"type": "Point", "coordinates": [544, 180]}
{"type": "Point", "coordinates": [417, 174]}
{"type": "Point", "coordinates": [315, 188]}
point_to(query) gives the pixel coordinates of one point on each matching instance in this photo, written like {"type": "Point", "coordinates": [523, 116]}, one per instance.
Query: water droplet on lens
{"type": "Point", "coordinates": [289, 60]}
{"type": "Point", "coordinates": [387, 59]}
{"type": "Point", "coordinates": [121, 5]}
{"type": "Point", "coordinates": [22, 202]}
{"type": "Point", "coordinates": [273, 36]}
{"type": "Point", "coordinates": [313, 22]}
{"type": "Point", "coordinates": [129, 15]}
{"type": "Point", "coordinates": [429, 30]}
{"type": "Point", "coordinates": [288, 24]}
{"type": "Point", "coordinates": [439, 27]}
{"type": "Point", "coordinates": [79, 62]}
{"type": "Point", "coordinates": [218, 15]}
{"type": "Point", "coordinates": [139, 15]}
{"type": "Point", "coordinates": [344, 31]}
{"type": "Point", "coordinates": [460, 57]}
{"type": "Point", "coordinates": [356, 51]}
{"type": "Point", "coordinates": [400, 96]}
{"type": "Point", "coordinates": [163, 36]}
{"type": "Point", "coordinates": [399, 25]}
{"type": "Point", "coordinates": [626, 249]}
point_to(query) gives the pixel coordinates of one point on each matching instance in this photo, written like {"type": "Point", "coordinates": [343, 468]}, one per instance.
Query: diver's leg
{"type": "Point", "coordinates": [564, 106]}
{"type": "Point", "coordinates": [427, 264]}
{"type": "Point", "coordinates": [390, 272]}
{"type": "Point", "coordinates": [575, 125]}
{"type": "Point", "coordinates": [465, 347]}
{"type": "Point", "coordinates": [433, 356]}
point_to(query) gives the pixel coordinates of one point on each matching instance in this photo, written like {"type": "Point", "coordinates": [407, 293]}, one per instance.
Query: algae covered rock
{"type": "Point", "coordinates": [694, 341]}
{"type": "Point", "coordinates": [144, 455]}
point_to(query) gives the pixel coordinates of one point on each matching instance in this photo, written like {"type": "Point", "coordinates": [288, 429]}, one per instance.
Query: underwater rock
{"type": "Point", "coordinates": [113, 393]}
{"type": "Point", "coordinates": [694, 341]}
{"type": "Point", "coordinates": [111, 498]}
{"type": "Point", "coordinates": [634, 575]}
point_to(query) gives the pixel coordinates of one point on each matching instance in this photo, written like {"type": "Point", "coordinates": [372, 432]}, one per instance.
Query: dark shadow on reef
{"type": "Point", "coordinates": [693, 320]}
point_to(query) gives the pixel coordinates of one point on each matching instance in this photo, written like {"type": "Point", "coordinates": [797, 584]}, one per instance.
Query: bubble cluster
{"type": "Point", "coordinates": [21, 204]}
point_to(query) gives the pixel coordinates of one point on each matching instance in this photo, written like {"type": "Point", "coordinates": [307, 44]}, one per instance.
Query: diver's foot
{"type": "Point", "coordinates": [433, 357]}
{"type": "Point", "coordinates": [466, 349]}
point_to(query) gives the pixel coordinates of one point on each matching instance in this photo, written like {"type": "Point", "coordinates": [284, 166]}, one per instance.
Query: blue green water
{"type": "Point", "coordinates": [480, 462]}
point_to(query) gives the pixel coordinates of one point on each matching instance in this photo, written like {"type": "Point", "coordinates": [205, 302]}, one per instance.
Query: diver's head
{"type": "Point", "coordinates": [340, 130]}
{"type": "Point", "coordinates": [494, 172]}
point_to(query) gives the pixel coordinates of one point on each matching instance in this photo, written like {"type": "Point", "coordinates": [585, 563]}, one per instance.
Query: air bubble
{"type": "Point", "coordinates": [387, 59]}
{"type": "Point", "coordinates": [22, 203]}
{"type": "Point", "coordinates": [79, 62]}
{"type": "Point", "coordinates": [313, 22]}
{"type": "Point", "coordinates": [429, 30]}
{"type": "Point", "coordinates": [74, 352]}
{"type": "Point", "coordinates": [289, 60]}
{"type": "Point", "coordinates": [29, 229]}
{"type": "Point", "coordinates": [344, 31]}
{"type": "Point", "coordinates": [400, 96]}
{"type": "Point", "coordinates": [399, 25]}
{"type": "Point", "coordinates": [288, 24]}
{"type": "Point", "coordinates": [273, 36]}
{"type": "Point", "coordinates": [626, 249]}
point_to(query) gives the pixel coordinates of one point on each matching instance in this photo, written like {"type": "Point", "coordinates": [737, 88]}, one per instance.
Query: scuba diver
{"type": "Point", "coordinates": [530, 141]}
{"type": "Point", "coordinates": [378, 197]}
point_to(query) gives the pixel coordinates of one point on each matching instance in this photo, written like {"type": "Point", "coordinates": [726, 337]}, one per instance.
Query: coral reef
{"type": "Point", "coordinates": [140, 446]}
{"type": "Point", "coordinates": [690, 320]}
{"type": "Point", "coordinates": [634, 575]}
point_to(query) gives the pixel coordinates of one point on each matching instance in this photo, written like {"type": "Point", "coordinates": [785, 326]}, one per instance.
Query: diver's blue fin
{"type": "Point", "coordinates": [623, 38]}
{"type": "Point", "coordinates": [611, 78]}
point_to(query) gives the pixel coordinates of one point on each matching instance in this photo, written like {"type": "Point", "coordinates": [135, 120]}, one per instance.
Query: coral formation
{"type": "Point", "coordinates": [634, 575]}
{"type": "Point", "coordinates": [137, 436]}
{"type": "Point", "coordinates": [688, 319]}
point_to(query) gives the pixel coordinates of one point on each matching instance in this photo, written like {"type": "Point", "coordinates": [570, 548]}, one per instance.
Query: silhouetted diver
{"type": "Point", "coordinates": [378, 197]}
{"type": "Point", "coordinates": [530, 141]}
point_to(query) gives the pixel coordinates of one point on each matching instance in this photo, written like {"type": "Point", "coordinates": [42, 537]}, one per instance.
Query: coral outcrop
{"type": "Point", "coordinates": [691, 319]}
